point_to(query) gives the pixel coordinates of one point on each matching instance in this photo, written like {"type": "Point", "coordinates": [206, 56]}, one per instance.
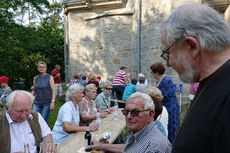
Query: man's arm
{"type": "Point", "coordinates": [118, 148]}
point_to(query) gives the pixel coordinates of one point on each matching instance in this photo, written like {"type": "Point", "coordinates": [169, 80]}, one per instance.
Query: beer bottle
{"type": "Point", "coordinates": [87, 139]}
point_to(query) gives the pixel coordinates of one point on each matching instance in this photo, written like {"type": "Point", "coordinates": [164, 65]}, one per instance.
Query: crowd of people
{"type": "Point", "coordinates": [195, 41]}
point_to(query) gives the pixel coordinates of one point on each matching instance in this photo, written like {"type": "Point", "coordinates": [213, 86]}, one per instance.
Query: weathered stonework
{"type": "Point", "coordinates": [101, 35]}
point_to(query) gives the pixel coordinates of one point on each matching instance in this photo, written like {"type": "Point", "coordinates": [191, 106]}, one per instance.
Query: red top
{"type": "Point", "coordinates": [119, 78]}
{"type": "Point", "coordinates": [57, 79]}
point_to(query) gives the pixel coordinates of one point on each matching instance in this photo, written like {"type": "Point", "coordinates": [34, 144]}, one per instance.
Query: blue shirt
{"type": "Point", "coordinates": [129, 90]}
{"type": "Point", "coordinates": [67, 113]}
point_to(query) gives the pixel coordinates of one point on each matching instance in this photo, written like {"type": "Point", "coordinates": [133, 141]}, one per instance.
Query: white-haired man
{"type": "Point", "coordinates": [144, 136]}
{"type": "Point", "coordinates": [196, 43]}
{"type": "Point", "coordinates": [21, 129]}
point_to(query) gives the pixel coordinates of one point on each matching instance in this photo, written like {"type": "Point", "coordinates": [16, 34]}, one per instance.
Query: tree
{"type": "Point", "coordinates": [21, 47]}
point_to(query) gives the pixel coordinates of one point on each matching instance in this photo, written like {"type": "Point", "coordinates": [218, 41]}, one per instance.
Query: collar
{"type": "Point", "coordinates": [72, 105]}
{"type": "Point", "coordinates": [139, 135]}
{"type": "Point", "coordinates": [10, 121]}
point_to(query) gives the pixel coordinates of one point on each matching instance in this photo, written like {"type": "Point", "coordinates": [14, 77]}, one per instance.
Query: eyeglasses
{"type": "Point", "coordinates": [165, 53]}
{"type": "Point", "coordinates": [134, 113]}
{"type": "Point", "coordinates": [109, 88]}
{"type": "Point", "coordinates": [41, 67]}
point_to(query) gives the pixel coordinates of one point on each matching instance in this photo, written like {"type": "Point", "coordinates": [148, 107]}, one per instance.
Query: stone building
{"type": "Point", "coordinates": [103, 35]}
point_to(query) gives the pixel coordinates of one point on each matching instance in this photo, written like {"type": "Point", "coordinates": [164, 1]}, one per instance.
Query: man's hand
{"type": "Point", "coordinates": [96, 145]}
{"type": "Point", "coordinates": [50, 147]}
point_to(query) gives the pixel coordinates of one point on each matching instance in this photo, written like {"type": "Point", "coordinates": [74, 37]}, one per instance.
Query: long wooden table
{"type": "Point", "coordinates": [77, 141]}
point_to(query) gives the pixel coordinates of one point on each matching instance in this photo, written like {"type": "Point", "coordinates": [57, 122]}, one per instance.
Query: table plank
{"type": "Point", "coordinates": [77, 141]}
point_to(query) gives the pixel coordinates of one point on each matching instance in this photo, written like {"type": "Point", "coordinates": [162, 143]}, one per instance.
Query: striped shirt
{"type": "Point", "coordinates": [72, 81]}
{"type": "Point", "coordinates": [148, 140]}
{"type": "Point", "coordinates": [119, 78]}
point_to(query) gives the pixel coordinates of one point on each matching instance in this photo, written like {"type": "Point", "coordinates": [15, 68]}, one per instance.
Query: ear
{"type": "Point", "coordinates": [6, 107]}
{"type": "Point", "coordinates": [152, 114]}
{"type": "Point", "coordinates": [194, 45]}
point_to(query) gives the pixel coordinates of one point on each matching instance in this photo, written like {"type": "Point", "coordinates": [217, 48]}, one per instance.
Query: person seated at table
{"type": "Point", "coordinates": [93, 80]}
{"type": "Point", "coordinates": [161, 113]}
{"type": "Point", "coordinates": [22, 129]}
{"type": "Point", "coordinates": [76, 78]}
{"type": "Point", "coordinates": [141, 87]}
{"type": "Point", "coordinates": [103, 102]}
{"type": "Point", "coordinates": [129, 89]}
{"type": "Point", "coordinates": [144, 136]}
{"type": "Point", "coordinates": [142, 75]}
{"type": "Point", "coordinates": [68, 116]}
{"type": "Point", "coordinates": [87, 106]}
{"type": "Point", "coordinates": [82, 80]}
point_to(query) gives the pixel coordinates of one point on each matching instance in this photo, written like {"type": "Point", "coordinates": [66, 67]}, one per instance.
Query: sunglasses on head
{"type": "Point", "coordinates": [109, 88]}
{"type": "Point", "coordinates": [133, 112]}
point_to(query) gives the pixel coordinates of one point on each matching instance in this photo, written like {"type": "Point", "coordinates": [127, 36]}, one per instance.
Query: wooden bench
{"type": "Point", "coordinates": [119, 101]}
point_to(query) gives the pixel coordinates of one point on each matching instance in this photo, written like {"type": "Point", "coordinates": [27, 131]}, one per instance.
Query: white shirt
{"type": "Point", "coordinates": [163, 118]}
{"type": "Point", "coordinates": [21, 133]}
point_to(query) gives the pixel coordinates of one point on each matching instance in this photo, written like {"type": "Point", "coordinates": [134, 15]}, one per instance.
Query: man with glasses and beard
{"type": "Point", "coordinates": [196, 43]}
{"type": "Point", "coordinates": [144, 137]}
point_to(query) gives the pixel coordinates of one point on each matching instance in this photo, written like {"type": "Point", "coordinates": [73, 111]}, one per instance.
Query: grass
{"type": "Point", "coordinates": [53, 115]}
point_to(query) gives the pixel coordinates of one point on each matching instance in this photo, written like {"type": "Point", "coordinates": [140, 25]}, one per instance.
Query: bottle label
{"type": "Point", "coordinates": [86, 143]}
{"type": "Point", "coordinates": [115, 115]}
{"type": "Point", "coordinates": [99, 123]}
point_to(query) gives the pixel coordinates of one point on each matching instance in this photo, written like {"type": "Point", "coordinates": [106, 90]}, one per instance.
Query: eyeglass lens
{"type": "Point", "coordinates": [132, 112]}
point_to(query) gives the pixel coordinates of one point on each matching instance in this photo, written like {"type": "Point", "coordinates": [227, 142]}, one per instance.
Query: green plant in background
{"type": "Point", "coordinates": [53, 115]}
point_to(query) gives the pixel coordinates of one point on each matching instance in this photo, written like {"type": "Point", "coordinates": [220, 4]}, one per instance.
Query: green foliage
{"type": "Point", "coordinates": [53, 115]}
{"type": "Point", "coordinates": [21, 47]}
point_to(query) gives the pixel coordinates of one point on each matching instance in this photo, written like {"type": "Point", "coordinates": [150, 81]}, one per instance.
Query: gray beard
{"type": "Point", "coordinates": [188, 75]}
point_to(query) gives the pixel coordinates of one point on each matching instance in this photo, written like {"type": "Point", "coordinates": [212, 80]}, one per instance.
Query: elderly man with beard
{"type": "Point", "coordinates": [144, 137]}
{"type": "Point", "coordinates": [196, 43]}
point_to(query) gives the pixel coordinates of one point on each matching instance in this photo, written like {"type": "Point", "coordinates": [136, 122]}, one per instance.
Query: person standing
{"type": "Point", "coordinates": [119, 82]}
{"type": "Point", "coordinates": [5, 90]}
{"type": "Point", "coordinates": [196, 43]}
{"type": "Point", "coordinates": [166, 86]}
{"type": "Point", "coordinates": [44, 91]}
{"type": "Point", "coordinates": [57, 80]}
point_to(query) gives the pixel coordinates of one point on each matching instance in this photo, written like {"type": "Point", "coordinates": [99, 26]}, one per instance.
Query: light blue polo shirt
{"type": "Point", "coordinates": [67, 113]}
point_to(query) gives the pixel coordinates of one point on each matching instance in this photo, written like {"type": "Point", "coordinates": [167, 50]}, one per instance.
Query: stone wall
{"type": "Point", "coordinates": [101, 36]}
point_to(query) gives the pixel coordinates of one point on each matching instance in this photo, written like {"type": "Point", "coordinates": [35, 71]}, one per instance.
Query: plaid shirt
{"type": "Point", "coordinates": [148, 140]}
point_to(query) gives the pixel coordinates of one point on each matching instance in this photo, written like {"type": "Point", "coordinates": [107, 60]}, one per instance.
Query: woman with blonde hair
{"type": "Point", "coordinates": [161, 113]}
{"type": "Point", "coordinates": [87, 106]}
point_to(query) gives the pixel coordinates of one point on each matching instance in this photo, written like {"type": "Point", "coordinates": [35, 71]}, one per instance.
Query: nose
{"type": "Point", "coordinates": [129, 115]}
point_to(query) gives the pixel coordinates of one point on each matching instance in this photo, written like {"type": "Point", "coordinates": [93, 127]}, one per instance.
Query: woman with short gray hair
{"type": "Point", "coordinates": [103, 102]}
{"type": "Point", "coordinates": [68, 116]}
